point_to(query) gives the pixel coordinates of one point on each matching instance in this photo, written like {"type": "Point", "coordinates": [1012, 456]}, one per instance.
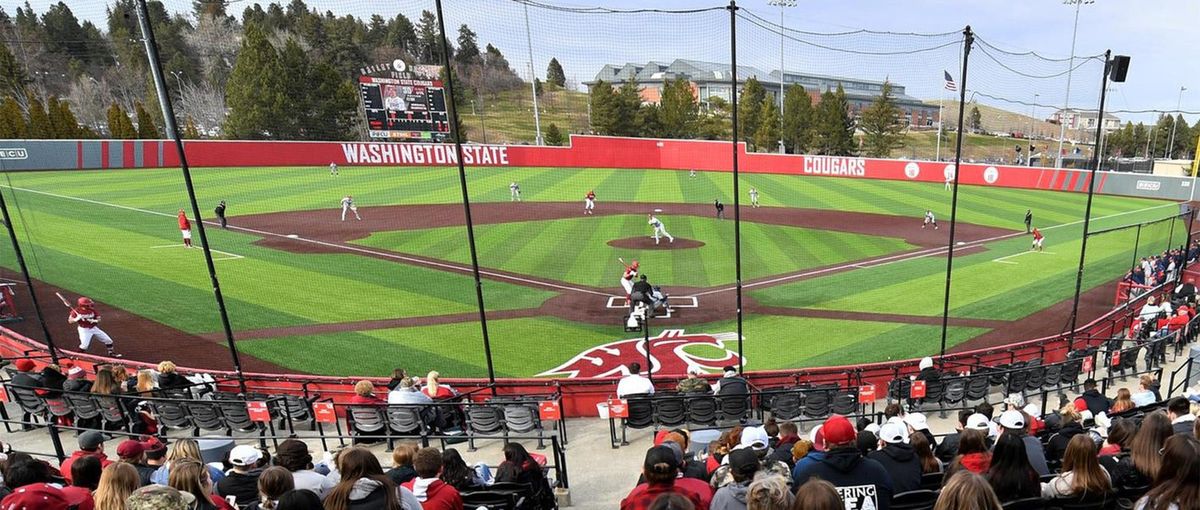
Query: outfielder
{"type": "Point", "coordinates": [87, 319]}
{"type": "Point", "coordinates": [753, 196]}
{"type": "Point", "coordinates": [589, 202]}
{"type": "Point", "coordinates": [333, 169]}
{"type": "Point", "coordinates": [348, 205]}
{"type": "Point", "coordinates": [514, 192]}
{"type": "Point", "coordinates": [929, 219]}
{"type": "Point", "coordinates": [185, 229]}
{"type": "Point", "coordinates": [659, 229]}
{"type": "Point", "coordinates": [692, 174]}
{"type": "Point", "coordinates": [631, 272]}
{"type": "Point", "coordinates": [949, 182]}
{"type": "Point", "coordinates": [1038, 238]}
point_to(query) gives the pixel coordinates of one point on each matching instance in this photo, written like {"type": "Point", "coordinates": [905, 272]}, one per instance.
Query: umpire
{"type": "Point", "coordinates": [220, 210]}
{"type": "Point", "coordinates": [720, 209]}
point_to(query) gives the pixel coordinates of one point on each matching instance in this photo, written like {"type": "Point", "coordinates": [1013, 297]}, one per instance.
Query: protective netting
{"type": "Point", "coordinates": [352, 254]}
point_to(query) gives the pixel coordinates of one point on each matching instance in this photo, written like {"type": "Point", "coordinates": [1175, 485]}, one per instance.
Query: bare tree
{"type": "Point", "coordinates": [90, 100]}
{"type": "Point", "coordinates": [204, 104]}
{"type": "Point", "coordinates": [215, 41]}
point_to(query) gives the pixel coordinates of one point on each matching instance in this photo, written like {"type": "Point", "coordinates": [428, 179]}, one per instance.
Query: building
{"type": "Point", "coordinates": [1076, 119]}
{"type": "Point", "coordinates": [713, 80]}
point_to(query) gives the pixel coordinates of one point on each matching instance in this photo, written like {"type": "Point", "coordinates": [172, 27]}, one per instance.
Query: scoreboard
{"type": "Point", "coordinates": [402, 109]}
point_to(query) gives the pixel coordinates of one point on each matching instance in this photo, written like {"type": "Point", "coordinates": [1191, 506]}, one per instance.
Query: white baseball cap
{"type": "Point", "coordinates": [893, 433]}
{"type": "Point", "coordinates": [978, 422]}
{"type": "Point", "coordinates": [755, 437]}
{"type": "Point", "coordinates": [244, 455]}
{"type": "Point", "coordinates": [1012, 420]}
{"type": "Point", "coordinates": [917, 421]}
{"type": "Point", "coordinates": [1030, 409]}
{"type": "Point", "coordinates": [873, 428]}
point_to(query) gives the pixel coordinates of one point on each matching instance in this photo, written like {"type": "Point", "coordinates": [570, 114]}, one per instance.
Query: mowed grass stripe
{"type": "Point", "coordinates": [903, 342]}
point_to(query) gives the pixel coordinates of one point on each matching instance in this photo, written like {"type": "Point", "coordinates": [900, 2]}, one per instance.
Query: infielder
{"type": "Point", "coordinates": [929, 219]}
{"type": "Point", "coordinates": [185, 229]}
{"type": "Point", "coordinates": [720, 208]}
{"type": "Point", "coordinates": [333, 169]}
{"type": "Point", "coordinates": [589, 202]}
{"type": "Point", "coordinates": [659, 229]}
{"type": "Point", "coordinates": [348, 205]}
{"type": "Point", "coordinates": [1038, 238]}
{"type": "Point", "coordinates": [514, 192]}
{"type": "Point", "coordinates": [753, 196]}
{"type": "Point", "coordinates": [87, 319]}
{"type": "Point", "coordinates": [631, 272]}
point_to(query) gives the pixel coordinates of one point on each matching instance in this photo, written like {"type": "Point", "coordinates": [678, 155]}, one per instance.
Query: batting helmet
{"type": "Point", "coordinates": [85, 302]}
{"type": "Point", "coordinates": [635, 264]}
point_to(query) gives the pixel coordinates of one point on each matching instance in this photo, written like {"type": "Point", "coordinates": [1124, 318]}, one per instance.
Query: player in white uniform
{"type": "Point", "coordinates": [348, 205]}
{"type": "Point", "coordinates": [87, 320]}
{"type": "Point", "coordinates": [333, 169]}
{"type": "Point", "coordinates": [514, 192]}
{"type": "Point", "coordinates": [753, 196]}
{"type": "Point", "coordinates": [692, 174]}
{"type": "Point", "coordinates": [929, 219]}
{"type": "Point", "coordinates": [949, 182]}
{"type": "Point", "coordinates": [659, 229]}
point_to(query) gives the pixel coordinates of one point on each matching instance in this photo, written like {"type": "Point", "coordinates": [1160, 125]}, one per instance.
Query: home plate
{"type": "Point", "coordinates": [293, 236]}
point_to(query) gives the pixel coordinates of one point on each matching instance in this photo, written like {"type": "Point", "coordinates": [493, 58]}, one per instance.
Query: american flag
{"type": "Point", "coordinates": [950, 85]}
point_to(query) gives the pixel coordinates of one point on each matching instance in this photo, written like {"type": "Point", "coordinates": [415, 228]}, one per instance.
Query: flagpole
{"type": "Point", "coordinates": [941, 105]}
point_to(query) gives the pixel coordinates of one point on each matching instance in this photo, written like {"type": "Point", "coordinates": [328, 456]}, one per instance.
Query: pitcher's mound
{"type": "Point", "coordinates": [647, 243]}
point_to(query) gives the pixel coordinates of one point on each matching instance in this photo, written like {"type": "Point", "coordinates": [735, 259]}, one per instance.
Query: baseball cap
{"type": "Point", "coordinates": [159, 497]}
{"type": "Point", "coordinates": [676, 449]}
{"type": "Point", "coordinates": [90, 440]}
{"type": "Point", "coordinates": [130, 449]}
{"type": "Point", "coordinates": [36, 496]}
{"type": "Point", "coordinates": [917, 421]}
{"type": "Point", "coordinates": [24, 365]}
{"type": "Point", "coordinates": [75, 373]}
{"type": "Point", "coordinates": [743, 461]}
{"type": "Point", "coordinates": [1015, 400]}
{"type": "Point", "coordinates": [244, 455]}
{"type": "Point", "coordinates": [1080, 405]}
{"type": "Point", "coordinates": [1012, 420]}
{"type": "Point", "coordinates": [154, 448]}
{"type": "Point", "coordinates": [817, 438]}
{"type": "Point", "coordinates": [660, 455]}
{"type": "Point", "coordinates": [893, 433]}
{"type": "Point", "coordinates": [978, 422]}
{"type": "Point", "coordinates": [1030, 409]}
{"type": "Point", "coordinates": [838, 430]}
{"type": "Point", "coordinates": [755, 437]}
{"type": "Point", "coordinates": [873, 428]}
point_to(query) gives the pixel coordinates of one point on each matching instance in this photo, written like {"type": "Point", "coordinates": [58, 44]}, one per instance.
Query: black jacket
{"type": "Point", "coordinates": [1057, 445]}
{"type": "Point", "coordinates": [733, 386]}
{"type": "Point", "coordinates": [858, 480]}
{"type": "Point", "coordinates": [172, 380]}
{"type": "Point", "coordinates": [929, 374]}
{"type": "Point", "coordinates": [242, 486]}
{"type": "Point", "coordinates": [145, 472]}
{"type": "Point", "coordinates": [81, 385]}
{"type": "Point", "coordinates": [401, 474]}
{"type": "Point", "coordinates": [1096, 403]}
{"type": "Point", "coordinates": [902, 463]}
{"type": "Point", "coordinates": [1122, 471]}
{"type": "Point", "coordinates": [946, 451]}
{"type": "Point", "coordinates": [53, 381]}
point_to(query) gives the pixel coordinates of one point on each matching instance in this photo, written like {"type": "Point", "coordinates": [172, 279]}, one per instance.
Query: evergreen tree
{"type": "Point", "coordinates": [62, 119]}
{"type": "Point", "coordinates": [39, 121]}
{"type": "Point", "coordinates": [677, 111]}
{"type": "Point", "coordinates": [603, 107]}
{"type": "Point", "coordinates": [629, 105]}
{"type": "Point", "coordinates": [976, 121]}
{"type": "Point", "coordinates": [189, 129]}
{"type": "Point", "coordinates": [881, 124]}
{"type": "Point", "coordinates": [429, 39]}
{"type": "Point", "coordinates": [750, 110]}
{"type": "Point", "coordinates": [12, 121]}
{"type": "Point", "coordinates": [146, 130]}
{"type": "Point", "coordinates": [834, 128]}
{"type": "Point", "coordinates": [649, 122]}
{"type": "Point", "coordinates": [460, 101]}
{"type": "Point", "coordinates": [296, 77]}
{"type": "Point", "coordinates": [714, 124]}
{"type": "Point", "coordinates": [797, 119]}
{"type": "Point", "coordinates": [402, 34]}
{"type": "Point", "coordinates": [255, 93]}
{"type": "Point", "coordinates": [553, 136]}
{"type": "Point", "coordinates": [1183, 138]}
{"type": "Point", "coordinates": [467, 53]}
{"type": "Point", "coordinates": [767, 136]}
{"type": "Point", "coordinates": [13, 78]}
{"type": "Point", "coordinates": [555, 75]}
{"type": "Point", "coordinates": [335, 101]}
{"type": "Point", "coordinates": [119, 125]}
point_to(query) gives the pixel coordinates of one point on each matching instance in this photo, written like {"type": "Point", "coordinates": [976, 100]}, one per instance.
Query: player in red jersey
{"type": "Point", "coordinates": [589, 202]}
{"type": "Point", "coordinates": [185, 228]}
{"type": "Point", "coordinates": [631, 272]}
{"type": "Point", "coordinates": [85, 317]}
{"type": "Point", "coordinates": [1037, 240]}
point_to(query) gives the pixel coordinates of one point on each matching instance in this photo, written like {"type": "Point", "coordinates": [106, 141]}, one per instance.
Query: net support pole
{"type": "Point", "coordinates": [1187, 246]}
{"type": "Point", "coordinates": [1087, 210]}
{"type": "Point", "coordinates": [737, 214]}
{"type": "Point", "coordinates": [33, 300]}
{"type": "Point", "coordinates": [164, 101]}
{"type": "Point", "coordinates": [968, 40]}
{"type": "Point", "coordinates": [452, 111]}
{"type": "Point", "coordinates": [1137, 240]}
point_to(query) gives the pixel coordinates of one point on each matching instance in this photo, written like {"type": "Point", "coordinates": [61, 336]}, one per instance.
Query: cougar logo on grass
{"type": "Point", "coordinates": [669, 356]}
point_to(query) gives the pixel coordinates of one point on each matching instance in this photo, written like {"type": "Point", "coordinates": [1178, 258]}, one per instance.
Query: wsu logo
{"type": "Point", "coordinates": [667, 356]}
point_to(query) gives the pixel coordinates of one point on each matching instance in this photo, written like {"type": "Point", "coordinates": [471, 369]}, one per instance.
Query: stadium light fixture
{"type": "Point", "coordinates": [1178, 105]}
{"type": "Point", "coordinates": [782, 4]}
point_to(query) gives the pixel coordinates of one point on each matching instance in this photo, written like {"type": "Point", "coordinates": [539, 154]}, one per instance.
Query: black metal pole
{"type": "Point", "coordinates": [737, 213]}
{"type": "Point", "coordinates": [37, 307]}
{"type": "Point", "coordinates": [968, 40]}
{"type": "Point", "coordinates": [452, 110]}
{"type": "Point", "coordinates": [646, 344]}
{"type": "Point", "coordinates": [1087, 211]}
{"type": "Point", "coordinates": [1137, 239]}
{"type": "Point", "coordinates": [164, 100]}
{"type": "Point", "coordinates": [1187, 247]}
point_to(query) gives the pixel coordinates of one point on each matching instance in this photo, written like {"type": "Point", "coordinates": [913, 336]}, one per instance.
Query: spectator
{"type": "Point", "coordinates": [1119, 434]}
{"type": "Point", "coordinates": [145, 384]}
{"type": "Point", "coordinates": [1010, 474]}
{"type": "Point", "coordinates": [161, 497]}
{"type": "Point", "coordinates": [1147, 392]}
{"type": "Point", "coordinates": [815, 454]}
{"type": "Point", "coordinates": [867, 442]}
{"type": "Point", "coordinates": [660, 469]}
{"type": "Point", "coordinates": [433, 493]}
{"type": "Point", "coordinates": [26, 378]}
{"type": "Point", "coordinates": [769, 493]}
{"type": "Point", "coordinates": [121, 377]}
{"type": "Point", "coordinates": [917, 423]}
{"type": "Point", "coordinates": [817, 494]}
{"type": "Point", "coordinates": [435, 389]}
{"type": "Point", "coordinates": [1149, 310]}
{"type": "Point", "coordinates": [364, 394]}
{"type": "Point", "coordinates": [1034, 424]}
{"type": "Point", "coordinates": [406, 393]}
{"type": "Point", "coordinates": [967, 491]}
{"type": "Point", "coordinates": [788, 437]}
{"type": "Point", "coordinates": [1178, 487]}
{"type": "Point", "coordinates": [191, 476]}
{"type": "Point", "coordinates": [898, 458]}
{"type": "Point", "coordinates": [299, 500]}
{"type": "Point", "coordinates": [398, 374]}
{"type": "Point", "coordinates": [862, 482]}
{"type": "Point", "coordinates": [169, 379]}
{"type": "Point", "coordinates": [693, 383]}
{"type": "Point", "coordinates": [756, 439]}
{"type": "Point", "coordinates": [85, 477]}
{"type": "Point", "coordinates": [133, 452]}
{"type": "Point", "coordinates": [184, 449]}
{"type": "Point", "coordinates": [1096, 403]}
{"type": "Point", "coordinates": [1056, 446]}
{"type": "Point", "coordinates": [634, 383]}
{"type": "Point", "coordinates": [801, 450]}
{"type": "Point", "coordinates": [458, 474]}
{"type": "Point", "coordinates": [1013, 423]}
{"type": "Point", "coordinates": [519, 466]}
{"type": "Point", "coordinates": [743, 464]}
{"type": "Point", "coordinates": [402, 463]}
{"type": "Point", "coordinates": [156, 456]}
{"type": "Point", "coordinates": [24, 470]}
{"type": "Point", "coordinates": [106, 384]}
{"type": "Point", "coordinates": [731, 383]}
{"type": "Point", "coordinates": [1122, 403]}
{"type": "Point", "coordinates": [1180, 413]}
{"type": "Point", "coordinates": [1141, 466]}
{"type": "Point", "coordinates": [892, 410]}
{"type": "Point", "coordinates": [689, 468]}
{"type": "Point", "coordinates": [671, 501]}
{"type": "Point", "coordinates": [1081, 472]}
{"type": "Point", "coordinates": [928, 371]}
{"type": "Point", "coordinates": [949, 447]}
{"type": "Point", "coordinates": [973, 454]}
{"type": "Point", "coordinates": [241, 482]}
{"type": "Point", "coordinates": [274, 482]}
{"type": "Point", "coordinates": [292, 455]}
{"type": "Point", "coordinates": [39, 496]}
{"type": "Point", "coordinates": [1185, 292]}
{"type": "Point", "coordinates": [52, 380]}
{"type": "Point", "coordinates": [117, 482]}
{"type": "Point", "coordinates": [924, 453]}
{"type": "Point", "coordinates": [77, 380]}
{"type": "Point", "coordinates": [363, 485]}
{"type": "Point", "coordinates": [91, 444]}
{"type": "Point", "coordinates": [983, 424]}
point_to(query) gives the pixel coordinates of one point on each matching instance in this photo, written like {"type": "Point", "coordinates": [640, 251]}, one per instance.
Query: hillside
{"type": "Point", "coordinates": [507, 117]}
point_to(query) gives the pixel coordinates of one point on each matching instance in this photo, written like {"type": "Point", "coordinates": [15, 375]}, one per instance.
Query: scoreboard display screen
{"type": "Point", "coordinates": [405, 109]}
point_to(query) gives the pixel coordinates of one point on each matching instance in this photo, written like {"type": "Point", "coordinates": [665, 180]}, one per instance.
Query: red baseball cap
{"type": "Point", "coordinates": [37, 496]}
{"type": "Point", "coordinates": [838, 430]}
{"type": "Point", "coordinates": [130, 449]}
{"type": "Point", "coordinates": [24, 365]}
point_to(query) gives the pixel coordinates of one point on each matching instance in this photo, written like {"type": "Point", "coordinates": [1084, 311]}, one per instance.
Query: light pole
{"type": "Point", "coordinates": [1029, 135]}
{"type": "Point", "coordinates": [1062, 126]}
{"type": "Point", "coordinates": [537, 119]}
{"type": "Point", "coordinates": [1171, 140]}
{"type": "Point", "coordinates": [782, 5]}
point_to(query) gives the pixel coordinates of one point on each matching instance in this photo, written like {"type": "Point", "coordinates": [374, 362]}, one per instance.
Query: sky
{"type": "Point", "coordinates": [1160, 36]}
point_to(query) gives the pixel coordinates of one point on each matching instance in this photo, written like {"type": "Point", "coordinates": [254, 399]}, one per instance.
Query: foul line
{"type": "Point", "coordinates": [1003, 260]}
{"type": "Point", "coordinates": [413, 260]}
{"type": "Point", "coordinates": [228, 256]}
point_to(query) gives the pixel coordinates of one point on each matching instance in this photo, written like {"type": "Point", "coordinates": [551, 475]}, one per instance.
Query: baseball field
{"type": "Point", "coordinates": [835, 270]}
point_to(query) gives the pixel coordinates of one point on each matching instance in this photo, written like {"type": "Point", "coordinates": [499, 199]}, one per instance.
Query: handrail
{"type": "Point", "coordinates": [1187, 368]}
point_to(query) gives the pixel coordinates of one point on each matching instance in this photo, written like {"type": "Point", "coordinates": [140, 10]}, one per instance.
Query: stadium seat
{"type": "Point", "coordinates": [28, 400]}
{"type": "Point", "coordinates": [366, 420]}
{"type": "Point", "coordinates": [1088, 502]}
{"type": "Point", "coordinates": [733, 408]}
{"type": "Point", "coordinates": [669, 411]}
{"type": "Point", "coordinates": [1052, 377]}
{"type": "Point", "coordinates": [57, 407]}
{"type": "Point", "coordinates": [1035, 378]}
{"type": "Point", "coordinates": [1017, 381]}
{"type": "Point", "coordinates": [83, 406]}
{"type": "Point", "coordinates": [978, 387]}
{"type": "Point", "coordinates": [932, 481]}
{"type": "Point", "coordinates": [702, 410]}
{"type": "Point", "coordinates": [641, 412]}
{"type": "Point", "coordinates": [1025, 504]}
{"type": "Point", "coordinates": [407, 421]}
{"type": "Point", "coordinates": [112, 413]}
{"type": "Point", "coordinates": [237, 417]}
{"type": "Point", "coordinates": [172, 414]}
{"type": "Point", "coordinates": [206, 415]}
{"type": "Point", "coordinates": [898, 389]}
{"type": "Point", "coordinates": [914, 500]}
{"type": "Point", "coordinates": [954, 390]}
{"type": "Point", "coordinates": [1071, 370]}
{"type": "Point", "coordinates": [784, 405]}
{"type": "Point", "coordinates": [490, 500]}
{"type": "Point", "coordinates": [522, 417]}
{"type": "Point", "coordinates": [816, 403]}
{"type": "Point", "coordinates": [295, 409]}
{"type": "Point", "coordinates": [845, 402]}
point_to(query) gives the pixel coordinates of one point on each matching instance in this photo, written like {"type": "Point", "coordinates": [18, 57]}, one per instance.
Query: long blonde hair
{"type": "Point", "coordinates": [185, 449]}
{"type": "Point", "coordinates": [145, 381]}
{"type": "Point", "coordinates": [190, 476]}
{"type": "Point", "coordinates": [105, 383]}
{"type": "Point", "coordinates": [117, 482]}
{"type": "Point", "coordinates": [431, 383]}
